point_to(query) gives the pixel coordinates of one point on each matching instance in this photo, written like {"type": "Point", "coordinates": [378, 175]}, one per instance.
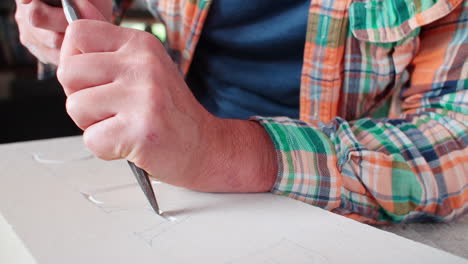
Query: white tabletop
{"type": "Point", "coordinates": [61, 205]}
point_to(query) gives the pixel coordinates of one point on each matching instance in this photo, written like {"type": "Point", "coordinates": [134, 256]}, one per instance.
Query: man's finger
{"type": "Point", "coordinates": [104, 139]}
{"type": "Point", "coordinates": [50, 39]}
{"type": "Point", "coordinates": [47, 17]}
{"type": "Point", "coordinates": [92, 105]}
{"type": "Point", "coordinates": [89, 36]}
{"type": "Point", "coordinates": [87, 70]}
{"type": "Point", "coordinates": [25, 2]}
{"type": "Point", "coordinates": [32, 41]}
{"type": "Point", "coordinates": [44, 54]}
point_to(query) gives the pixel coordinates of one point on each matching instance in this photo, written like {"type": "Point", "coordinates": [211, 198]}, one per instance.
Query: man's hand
{"type": "Point", "coordinates": [128, 96]}
{"type": "Point", "coordinates": [42, 26]}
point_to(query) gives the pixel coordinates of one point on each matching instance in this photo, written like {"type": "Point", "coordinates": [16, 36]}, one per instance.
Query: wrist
{"type": "Point", "coordinates": [242, 157]}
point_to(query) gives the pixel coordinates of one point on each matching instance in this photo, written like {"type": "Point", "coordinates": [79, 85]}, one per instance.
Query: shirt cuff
{"type": "Point", "coordinates": [307, 163]}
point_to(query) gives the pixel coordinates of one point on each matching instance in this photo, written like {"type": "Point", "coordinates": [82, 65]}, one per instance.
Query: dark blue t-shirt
{"type": "Point", "coordinates": [249, 57]}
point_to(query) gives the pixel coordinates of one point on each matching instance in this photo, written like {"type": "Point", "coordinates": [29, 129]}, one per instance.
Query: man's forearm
{"type": "Point", "coordinates": [245, 161]}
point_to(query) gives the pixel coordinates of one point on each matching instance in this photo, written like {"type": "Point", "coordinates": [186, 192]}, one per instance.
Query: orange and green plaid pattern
{"type": "Point", "coordinates": [383, 128]}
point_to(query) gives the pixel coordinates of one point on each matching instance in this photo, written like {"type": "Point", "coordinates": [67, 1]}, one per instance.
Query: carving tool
{"type": "Point", "coordinates": [72, 14]}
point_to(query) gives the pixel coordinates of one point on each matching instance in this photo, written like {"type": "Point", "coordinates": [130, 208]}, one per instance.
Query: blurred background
{"type": "Point", "coordinates": [35, 109]}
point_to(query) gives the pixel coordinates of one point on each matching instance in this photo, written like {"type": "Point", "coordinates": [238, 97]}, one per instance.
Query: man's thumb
{"type": "Point", "coordinates": [88, 11]}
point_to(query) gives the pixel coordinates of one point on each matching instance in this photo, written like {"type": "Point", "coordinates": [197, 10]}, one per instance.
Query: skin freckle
{"type": "Point", "coordinates": [152, 137]}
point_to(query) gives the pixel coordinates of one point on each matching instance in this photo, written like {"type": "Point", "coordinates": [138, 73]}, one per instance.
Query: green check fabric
{"type": "Point", "coordinates": [383, 129]}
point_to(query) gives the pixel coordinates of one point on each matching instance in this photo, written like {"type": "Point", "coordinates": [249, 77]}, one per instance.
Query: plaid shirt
{"type": "Point", "coordinates": [383, 128]}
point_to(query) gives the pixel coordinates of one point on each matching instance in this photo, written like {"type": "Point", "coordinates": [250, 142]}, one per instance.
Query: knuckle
{"type": "Point", "coordinates": [150, 41]}
{"type": "Point", "coordinates": [90, 142]}
{"type": "Point", "coordinates": [35, 51]}
{"type": "Point", "coordinates": [18, 15]}
{"type": "Point", "coordinates": [94, 144]}
{"type": "Point", "coordinates": [72, 27]}
{"type": "Point", "coordinates": [64, 75]}
{"type": "Point", "coordinates": [72, 105]}
{"type": "Point", "coordinates": [70, 32]}
{"type": "Point", "coordinates": [74, 31]}
{"type": "Point", "coordinates": [56, 40]}
{"type": "Point", "coordinates": [147, 61]}
{"type": "Point", "coordinates": [61, 73]}
{"type": "Point", "coordinates": [77, 26]}
{"type": "Point", "coordinates": [23, 39]}
{"type": "Point", "coordinates": [36, 16]}
{"type": "Point", "coordinates": [146, 38]}
{"type": "Point", "coordinates": [143, 66]}
{"type": "Point", "coordinates": [143, 40]}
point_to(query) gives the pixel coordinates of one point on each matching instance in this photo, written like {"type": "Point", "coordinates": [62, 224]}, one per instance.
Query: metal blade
{"type": "Point", "coordinates": [145, 184]}
{"type": "Point", "coordinates": [70, 10]}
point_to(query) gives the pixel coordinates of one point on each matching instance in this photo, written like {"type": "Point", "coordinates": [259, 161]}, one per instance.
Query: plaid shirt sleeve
{"type": "Point", "coordinates": [411, 167]}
